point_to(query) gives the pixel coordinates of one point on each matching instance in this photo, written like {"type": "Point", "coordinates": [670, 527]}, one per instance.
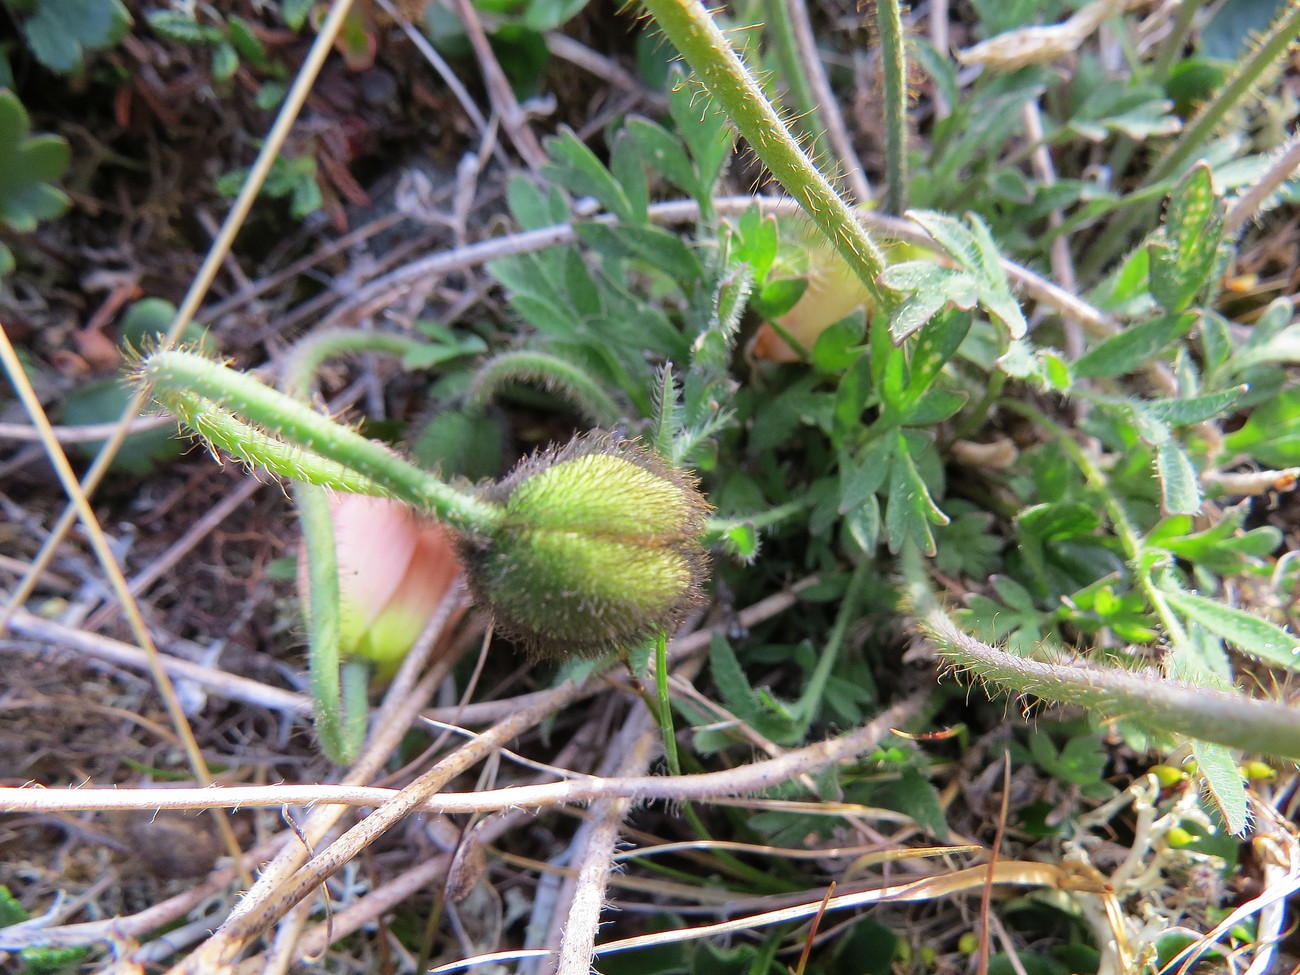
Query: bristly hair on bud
{"type": "Point", "coordinates": [599, 548]}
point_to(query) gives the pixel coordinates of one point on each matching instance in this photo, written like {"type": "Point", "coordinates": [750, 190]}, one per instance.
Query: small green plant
{"type": "Point", "coordinates": [231, 40]}
{"type": "Point", "coordinates": [30, 165]}
{"type": "Point", "coordinates": [1022, 435]}
{"type": "Point", "coordinates": [60, 32]}
{"type": "Point", "coordinates": [291, 178]}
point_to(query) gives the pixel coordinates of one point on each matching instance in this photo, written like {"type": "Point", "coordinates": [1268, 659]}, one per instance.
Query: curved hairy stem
{"type": "Point", "coordinates": [338, 686]}
{"type": "Point", "coordinates": [1153, 702]}
{"type": "Point", "coordinates": [310, 353]}
{"type": "Point", "coordinates": [340, 716]}
{"type": "Point", "coordinates": [689, 26]}
{"type": "Point", "coordinates": [179, 378]}
{"type": "Point", "coordinates": [551, 373]}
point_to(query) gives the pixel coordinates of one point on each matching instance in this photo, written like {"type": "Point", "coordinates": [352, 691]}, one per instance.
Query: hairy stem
{"type": "Point", "coordinates": [690, 27]}
{"type": "Point", "coordinates": [552, 374]}
{"type": "Point", "coordinates": [221, 430]}
{"type": "Point", "coordinates": [889, 21]}
{"type": "Point", "coordinates": [310, 353]}
{"type": "Point", "coordinates": [1153, 702]}
{"type": "Point", "coordinates": [321, 618]}
{"type": "Point", "coordinates": [179, 376]}
{"type": "Point", "coordinates": [338, 687]}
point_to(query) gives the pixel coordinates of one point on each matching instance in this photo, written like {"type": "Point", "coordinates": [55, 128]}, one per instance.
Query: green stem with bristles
{"type": "Point", "coordinates": [889, 20]}
{"type": "Point", "coordinates": [776, 17]}
{"type": "Point", "coordinates": [1152, 702]}
{"type": "Point", "coordinates": [311, 352]}
{"type": "Point", "coordinates": [691, 29]}
{"type": "Point", "coordinates": [552, 374]}
{"type": "Point", "coordinates": [176, 377]}
{"type": "Point", "coordinates": [338, 685]}
{"type": "Point", "coordinates": [340, 723]}
{"type": "Point", "coordinates": [224, 432]}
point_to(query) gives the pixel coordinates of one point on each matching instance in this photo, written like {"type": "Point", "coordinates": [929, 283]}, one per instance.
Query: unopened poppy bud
{"type": "Point", "coordinates": [598, 548]}
{"type": "Point", "coordinates": [393, 570]}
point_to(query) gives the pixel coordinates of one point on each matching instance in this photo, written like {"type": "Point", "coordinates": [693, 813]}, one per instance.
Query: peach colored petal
{"type": "Point", "coordinates": [429, 574]}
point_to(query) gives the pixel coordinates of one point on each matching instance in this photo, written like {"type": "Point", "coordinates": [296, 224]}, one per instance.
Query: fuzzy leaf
{"type": "Point", "coordinates": [1272, 433]}
{"type": "Point", "coordinates": [930, 288]}
{"type": "Point", "coordinates": [1224, 783]}
{"type": "Point", "coordinates": [664, 152]}
{"type": "Point", "coordinates": [911, 510]}
{"type": "Point", "coordinates": [934, 347]}
{"type": "Point", "coordinates": [859, 482]}
{"type": "Point", "coordinates": [1180, 490]}
{"type": "Point", "coordinates": [976, 251]}
{"type": "Point", "coordinates": [1132, 347]}
{"type": "Point", "coordinates": [577, 169]}
{"type": "Point", "coordinates": [1250, 634]}
{"type": "Point", "coordinates": [705, 128]}
{"type": "Point", "coordinates": [1194, 409]}
{"type": "Point", "coordinates": [1184, 251]}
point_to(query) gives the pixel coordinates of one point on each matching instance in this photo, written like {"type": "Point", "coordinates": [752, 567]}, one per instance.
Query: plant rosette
{"type": "Point", "coordinates": [394, 568]}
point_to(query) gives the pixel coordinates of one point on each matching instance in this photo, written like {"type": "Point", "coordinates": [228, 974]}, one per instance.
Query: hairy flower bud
{"type": "Point", "coordinates": [598, 548]}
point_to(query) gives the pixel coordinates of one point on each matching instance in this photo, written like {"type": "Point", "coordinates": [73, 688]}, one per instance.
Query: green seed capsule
{"type": "Point", "coordinates": [598, 548]}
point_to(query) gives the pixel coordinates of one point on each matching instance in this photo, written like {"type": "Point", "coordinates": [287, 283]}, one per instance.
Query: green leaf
{"type": "Point", "coordinates": [295, 12]}
{"type": "Point", "coordinates": [247, 43]}
{"type": "Point", "coordinates": [976, 251]}
{"type": "Point", "coordinates": [1180, 489]}
{"type": "Point", "coordinates": [934, 347]}
{"type": "Point", "coordinates": [1131, 348]}
{"type": "Point", "coordinates": [103, 402]}
{"type": "Point", "coordinates": [28, 166]}
{"type": "Point", "coordinates": [913, 794]}
{"type": "Point", "coordinates": [1194, 409]}
{"type": "Point", "coordinates": [1249, 633]}
{"type": "Point", "coordinates": [577, 169]}
{"type": "Point", "coordinates": [778, 296]}
{"type": "Point", "coordinates": [994, 288]}
{"type": "Point", "coordinates": [1272, 433]}
{"type": "Point", "coordinates": [838, 346]}
{"type": "Point", "coordinates": [175, 25]}
{"type": "Point", "coordinates": [863, 524]}
{"type": "Point", "coordinates": [732, 684]}
{"type": "Point", "coordinates": [545, 15]}
{"type": "Point", "coordinates": [861, 480]}
{"type": "Point", "coordinates": [533, 208]}
{"type": "Point", "coordinates": [934, 407]}
{"type": "Point", "coordinates": [225, 62]}
{"type": "Point", "coordinates": [628, 168]}
{"type": "Point", "coordinates": [952, 235]}
{"type": "Point", "coordinates": [60, 32]}
{"type": "Point", "coordinates": [929, 288]}
{"type": "Point", "coordinates": [664, 153]}
{"type": "Point", "coordinates": [461, 444]}
{"type": "Point", "coordinates": [910, 509]}
{"type": "Point", "coordinates": [755, 240]}
{"type": "Point", "coordinates": [659, 248]}
{"type": "Point", "coordinates": [11, 911]}
{"type": "Point", "coordinates": [1184, 250]}
{"type": "Point", "coordinates": [1224, 783]}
